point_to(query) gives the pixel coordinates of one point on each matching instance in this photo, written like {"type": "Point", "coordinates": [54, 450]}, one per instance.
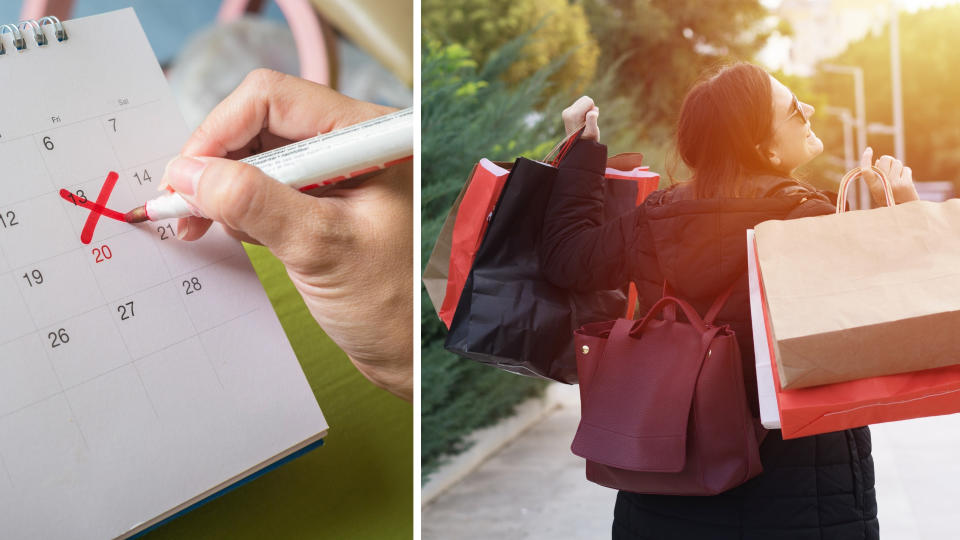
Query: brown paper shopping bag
{"type": "Point", "coordinates": [864, 293]}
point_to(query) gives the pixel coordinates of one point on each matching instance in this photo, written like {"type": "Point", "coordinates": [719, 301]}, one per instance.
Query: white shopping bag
{"type": "Point", "coordinates": [769, 414]}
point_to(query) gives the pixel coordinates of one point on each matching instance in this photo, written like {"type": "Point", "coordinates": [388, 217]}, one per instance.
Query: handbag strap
{"type": "Point", "coordinates": [718, 304]}
{"type": "Point", "coordinates": [692, 316]}
{"type": "Point", "coordinates": [670, 311]}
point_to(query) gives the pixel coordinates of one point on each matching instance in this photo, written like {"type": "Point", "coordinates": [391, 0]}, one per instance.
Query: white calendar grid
{"type": "Point", "coordinates": [114, 352]}
{"type": "Point", "coordinates": [137, 371]}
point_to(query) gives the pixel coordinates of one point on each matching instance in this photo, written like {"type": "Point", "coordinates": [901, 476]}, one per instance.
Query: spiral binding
{"type": "Point", "coordinates": [31, 25]}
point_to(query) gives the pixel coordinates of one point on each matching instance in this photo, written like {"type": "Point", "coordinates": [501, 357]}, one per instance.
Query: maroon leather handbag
{"type": "Point", "coordinates": [664, 410]}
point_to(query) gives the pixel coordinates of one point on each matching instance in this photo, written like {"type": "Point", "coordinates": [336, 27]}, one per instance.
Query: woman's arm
{"type": "Point", "coordinates": [579, 248]}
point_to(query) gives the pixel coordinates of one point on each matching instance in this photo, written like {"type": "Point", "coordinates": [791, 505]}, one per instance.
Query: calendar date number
{"type": "Point", "coordinates": [191, 285]}
{"type": "Point", "coordinates": [58, 338]}
{"type": "Point", "coordinates": [126, 310]}
{"type": "Point", "coordinates": [102, 253]}
{"type": "Point", "coordinates": [8, 219]}
{"type": "Point", "coordinates": [166, 232]}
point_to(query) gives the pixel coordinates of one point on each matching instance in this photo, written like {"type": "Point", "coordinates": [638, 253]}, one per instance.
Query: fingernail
{"type": "Point", "coordinates": [183, 173]}
{"type": "Point", "coordinates": [182, 231]}
{"type": "Point", "coordinates": [163, 183]}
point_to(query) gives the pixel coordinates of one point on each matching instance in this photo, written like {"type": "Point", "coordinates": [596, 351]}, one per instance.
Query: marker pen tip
{"type": "Point", "coordinates": [137, 215]}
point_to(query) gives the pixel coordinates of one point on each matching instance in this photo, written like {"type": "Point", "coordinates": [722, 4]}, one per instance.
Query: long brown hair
{"type": "Point", "coordinates": [724, 118]}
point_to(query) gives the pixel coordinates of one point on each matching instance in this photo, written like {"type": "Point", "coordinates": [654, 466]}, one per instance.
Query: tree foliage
{"type": "Point", "coordinates": [468, 112]}
{"type": "Point", "coordinates": [483, 26]}
{"type": "Point", "coordinates": [930, 84]}
{"type": "Point", "coordinates": [668, 44]}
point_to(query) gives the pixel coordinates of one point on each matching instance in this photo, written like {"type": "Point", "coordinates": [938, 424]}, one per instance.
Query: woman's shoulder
{"type": "Point", "coordinates": [771, 197]}
{"type": "Point", "coordinates": [769, 186]}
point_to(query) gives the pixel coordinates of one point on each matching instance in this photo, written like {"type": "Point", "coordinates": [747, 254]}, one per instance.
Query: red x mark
{"type": "Point", "coordinates": [96, 208]}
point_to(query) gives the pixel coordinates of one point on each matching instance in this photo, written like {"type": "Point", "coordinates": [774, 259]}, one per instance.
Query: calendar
{"type": "Point", "coordinates": [139, 373]}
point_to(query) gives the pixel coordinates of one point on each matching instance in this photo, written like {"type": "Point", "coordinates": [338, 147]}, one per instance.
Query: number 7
{"type": "Point", "coordinates": [113, 121]}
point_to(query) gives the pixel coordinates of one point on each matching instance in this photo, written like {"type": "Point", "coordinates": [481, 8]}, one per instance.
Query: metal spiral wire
{"type": "Point", "coordinates": [36, 27]}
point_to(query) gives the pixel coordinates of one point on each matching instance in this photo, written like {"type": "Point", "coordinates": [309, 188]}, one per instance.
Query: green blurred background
{"type": "Point", "coordinates": [359, 485]}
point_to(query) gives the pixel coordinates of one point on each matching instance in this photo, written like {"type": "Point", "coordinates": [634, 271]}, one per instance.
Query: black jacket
{"type": "Point", "coordinates": [816, 488]}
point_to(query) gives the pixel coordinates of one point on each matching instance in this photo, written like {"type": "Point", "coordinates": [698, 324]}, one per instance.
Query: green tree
{"type": "Point", "coordinates": [483, 26]}
{"type": "Point", "coordinates": [930, 82]}
{"type": "Point", "coordinates": [468, 112]}
{"type": "Point", "coordinates": [667, 44]}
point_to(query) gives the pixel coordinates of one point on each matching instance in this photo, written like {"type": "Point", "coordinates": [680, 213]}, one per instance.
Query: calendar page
{"type": "Point", "coordinates": [138, 372]}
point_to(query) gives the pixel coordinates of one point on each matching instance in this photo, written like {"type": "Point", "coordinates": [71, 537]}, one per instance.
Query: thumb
{"type": "Point", "coordinates": [591, 130]}
{"type": "Point", "coordinates": [242, 197]}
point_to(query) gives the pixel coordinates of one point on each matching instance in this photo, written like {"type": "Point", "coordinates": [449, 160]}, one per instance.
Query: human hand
{"type": "Point", "coordinates": [349, 253]}
{"type": "Point", "coordinates": [583, 113]}
{"type": "Point", "coordinates": [898, 176]}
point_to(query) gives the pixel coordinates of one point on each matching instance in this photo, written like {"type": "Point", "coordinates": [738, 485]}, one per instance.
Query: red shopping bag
{"type": "Point", "coordinates": [476, 207]}
{"type": "Point", "coordinates": [861, 402]}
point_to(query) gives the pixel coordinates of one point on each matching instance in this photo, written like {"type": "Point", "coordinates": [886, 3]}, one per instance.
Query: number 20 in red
{"type": "Point", "coordinates": [101, 253]}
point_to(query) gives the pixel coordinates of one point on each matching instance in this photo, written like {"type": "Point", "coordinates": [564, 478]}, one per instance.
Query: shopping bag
{"type": "Point", "coordinates": [508, 314]}
{"type": "Point", "coordinates": [864, 293]}
{"type": "Point", "coordinates": [466, 224]}
{"type": "Point", "coordinates": [833, 407]}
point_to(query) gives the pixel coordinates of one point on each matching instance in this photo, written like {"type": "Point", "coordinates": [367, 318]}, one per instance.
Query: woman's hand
{"type": "Point", "coordinates": [583, 113]}
{"type": "Point", "coordinates": [349, 252]}
{"type": "Point", "coordinates": [898, 176]}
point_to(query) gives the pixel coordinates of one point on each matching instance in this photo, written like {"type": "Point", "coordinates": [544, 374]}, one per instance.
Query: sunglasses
{"type": "Point", "coordinates": [796, 109]}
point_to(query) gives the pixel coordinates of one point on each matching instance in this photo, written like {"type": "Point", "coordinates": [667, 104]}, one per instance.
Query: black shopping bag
{"type": "Point", "coordinates": [509, 316]}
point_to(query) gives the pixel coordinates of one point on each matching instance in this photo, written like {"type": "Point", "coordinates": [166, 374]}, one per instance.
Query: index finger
{"type": "Point", "coordinates": [286, 106]}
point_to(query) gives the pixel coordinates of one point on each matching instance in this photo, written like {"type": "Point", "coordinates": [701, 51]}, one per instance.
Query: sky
{"type": "Point", "coordinates": [778, 53]}
{"type": "Point", "coordinates": [907, 5]}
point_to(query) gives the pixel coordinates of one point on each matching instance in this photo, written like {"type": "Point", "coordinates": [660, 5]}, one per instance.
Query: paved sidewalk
{"type": "Point", "coordinates": [534, 488]}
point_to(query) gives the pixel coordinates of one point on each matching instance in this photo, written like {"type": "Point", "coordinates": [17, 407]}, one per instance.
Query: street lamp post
{"type": "Point", "coordinates": [849, 156]}
{"type": "Point", "coordinates": [863, 196]}
{"type": "Point", "coordinates": [899, 146]}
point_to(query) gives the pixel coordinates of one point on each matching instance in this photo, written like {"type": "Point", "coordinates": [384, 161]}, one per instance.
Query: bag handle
{"type": "Point", "coordinates": [661, 304]}
{"type": "Point", "coordinates": [670, 311]}
{"type": "Point", "coordinates": [718, 305]}
{"type": "Point", "coordinates": [852, 175]}
{"type": "Point", "coordinates": [305, 25]}
{"type": "Point", "coordinates": [563, 147]}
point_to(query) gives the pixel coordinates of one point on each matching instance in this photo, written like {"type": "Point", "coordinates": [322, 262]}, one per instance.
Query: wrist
{"type": "Point", "coordinates": [586, 155]}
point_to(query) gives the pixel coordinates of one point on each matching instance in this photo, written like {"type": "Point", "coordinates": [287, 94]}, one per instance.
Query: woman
{"type": "Point", "coordinates": [742, 134]}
